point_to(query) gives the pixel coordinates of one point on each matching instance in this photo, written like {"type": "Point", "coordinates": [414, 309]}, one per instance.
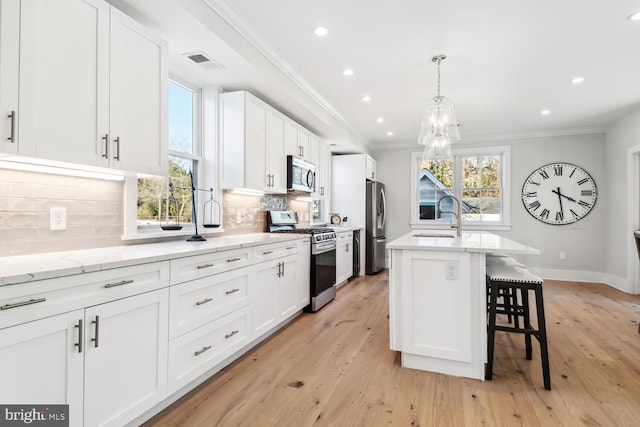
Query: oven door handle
{"type": "Point", "coordinates": [321, 248]}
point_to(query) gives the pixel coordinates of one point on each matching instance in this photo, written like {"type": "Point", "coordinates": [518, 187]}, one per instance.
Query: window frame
{"type": "Point", "coordinates": [206, 155]}
{"type": "Point", "coordinates": [457, 154]}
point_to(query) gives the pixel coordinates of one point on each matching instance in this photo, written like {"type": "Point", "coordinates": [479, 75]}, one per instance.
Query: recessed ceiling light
{"type": "Point", "coordinates": [380, 120]}
{"type": "Point", "coordinates": [320, 31]}
{"type": "Point", "coordinates": [347, 72]}
{"type": "Point", "coordinates": [366, 98]}
{"type": "Point", "coordinates": [634, 16]}
{"type": "Point", "coordinates": [577, 80]}
{"type": "Point", "coordinates": [545, 112]}
{"type": "Point", "coordinates": [390, 133]}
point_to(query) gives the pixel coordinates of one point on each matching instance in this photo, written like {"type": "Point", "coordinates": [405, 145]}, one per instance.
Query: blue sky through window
{"type": "Point", "coordinates": [180, 118]}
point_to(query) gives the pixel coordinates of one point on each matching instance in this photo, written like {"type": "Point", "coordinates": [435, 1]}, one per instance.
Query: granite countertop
{"type": "Point", "coordinates": [470, 241]}
{"type": "Point", "coordinates": [28, 268]}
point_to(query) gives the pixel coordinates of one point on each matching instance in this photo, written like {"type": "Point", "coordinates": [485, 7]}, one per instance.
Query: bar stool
{"type": "Point", "coordinates": [502, 276]}
{"type": "Point", "coordinates": [507, 294]}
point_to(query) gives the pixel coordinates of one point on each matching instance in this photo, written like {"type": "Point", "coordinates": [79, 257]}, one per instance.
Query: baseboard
{"type": "Point", "coordinates": [612, 280]}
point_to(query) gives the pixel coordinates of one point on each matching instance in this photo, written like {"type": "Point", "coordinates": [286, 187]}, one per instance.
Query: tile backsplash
{"type": "Point", "coordinates": [94, 212]}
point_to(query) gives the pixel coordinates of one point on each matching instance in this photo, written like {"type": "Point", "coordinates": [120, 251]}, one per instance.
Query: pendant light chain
{"type": "Point", "coordinates": [439, 60]}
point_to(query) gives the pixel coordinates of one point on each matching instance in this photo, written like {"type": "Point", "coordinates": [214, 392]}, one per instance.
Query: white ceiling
{"type": "Point", "coordinates": [507, 60]}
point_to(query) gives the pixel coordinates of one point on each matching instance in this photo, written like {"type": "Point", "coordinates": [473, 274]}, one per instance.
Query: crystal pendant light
{"type": "Point", "coordinates": [439, 128]}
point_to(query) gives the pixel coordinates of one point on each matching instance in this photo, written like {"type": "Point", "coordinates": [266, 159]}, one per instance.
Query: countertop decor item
{"type": "Point", "coordinates": [171, 206]}
{"type": "Point", "coordinates": [211, 212]}
{"type": "Point", "coordinates": [336, 219]}
{"type": "Point", "coordinates": [559, 193]}
{"type": "Point", "coordinates": [439, 128]}
{"type": "Point", "coordinates": [196, 237]}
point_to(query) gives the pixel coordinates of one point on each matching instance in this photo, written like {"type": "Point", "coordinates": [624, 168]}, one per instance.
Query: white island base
{"type": "Point", "coordinates": [437, 300]}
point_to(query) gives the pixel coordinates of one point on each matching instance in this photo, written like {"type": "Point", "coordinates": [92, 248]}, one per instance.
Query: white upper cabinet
{"type": "Point", "coordinates": [323, 171]}
{"type": "Point", "coordinates": [9, 68]}
{"type": "Point", "coordinates": [371, 168]}
{"type": "Point", "coordinates": [90, 87]}
{"type": "Point", "coordinates": [253, 137]}
{"type": "Point", "coordinates": [138, 98]}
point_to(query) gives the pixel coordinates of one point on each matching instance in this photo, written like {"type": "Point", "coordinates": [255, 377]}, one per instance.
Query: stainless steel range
{"type": "Point", "coordinates": [323, 255]}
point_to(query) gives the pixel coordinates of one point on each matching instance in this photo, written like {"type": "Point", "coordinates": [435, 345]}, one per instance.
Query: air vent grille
{"type": "Point", "coordinates": [199, 58]}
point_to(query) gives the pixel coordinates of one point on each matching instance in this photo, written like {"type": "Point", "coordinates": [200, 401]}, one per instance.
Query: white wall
{"type": "Point", "coordinates": [583, 242]}
{"type": "Point", "coordinates": [619, 243]}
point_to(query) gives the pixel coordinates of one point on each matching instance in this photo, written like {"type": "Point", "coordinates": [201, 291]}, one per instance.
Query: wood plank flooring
{"type": "Point", "coordinates": [334, 368]}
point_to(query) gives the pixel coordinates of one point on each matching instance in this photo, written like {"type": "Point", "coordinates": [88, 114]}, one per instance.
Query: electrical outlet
{"type": "Point", "coordinates": [563, 256]}
{"type": "Point", "coordinates": [452, 270]}
{"type": "Point", "coordinates": [58, 218]}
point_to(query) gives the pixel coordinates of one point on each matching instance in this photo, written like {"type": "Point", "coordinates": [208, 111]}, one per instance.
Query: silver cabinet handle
{"type": "Point", "coordinates": [105, 138]}
{"type": "Point", "coordinates": [267, 252]}
{"type": "Point", "coordinates": [283, 269]}
{"type": "Point", "coordinates": [97, 323]}
{"type": "Point", "coordinates": [302, 150]}
{"type": "Point", "coordinates": [113, 285]}
{"type": "Point", "coordinates": [12, 137]}
{"type": "Point", "coordinates": [232, 291]}
{"type": "Point", "coordinates": [204, 266]}
{"type": "Point", "coordinates": [346, 247]}
{"type": "Point", "coordinates": [199, 352]}
{"type": "Point", "coordinates": [233, 259]}
{"type": "Point", "coordinates": [268, 180]}
{"type": "Point", "coordinates": [227, 336]}
{"type": "Point", "coordinates": [23, 303]}
{"type": "Point", "coordinates": [290, 247]}
{"type": "Point", "coordinates": [204, 301]}
{"type": "Point", "coordinates": [80, 333]}
{"type": "Point", "coordinates": [279, 265]}
{"type": "Point", "coordinates": [117, 141]}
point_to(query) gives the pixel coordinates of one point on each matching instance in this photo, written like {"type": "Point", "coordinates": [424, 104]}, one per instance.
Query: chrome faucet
{"type": "Point", "coordinates": [457, 213]}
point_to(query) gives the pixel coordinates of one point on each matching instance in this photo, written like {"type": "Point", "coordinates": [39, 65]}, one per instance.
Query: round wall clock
{"type": "Point", "coordinates": [559, 193]}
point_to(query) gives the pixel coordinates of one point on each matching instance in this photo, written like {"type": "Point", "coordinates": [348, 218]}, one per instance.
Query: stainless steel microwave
{"type": "Point", "coordinates": [301, 175]}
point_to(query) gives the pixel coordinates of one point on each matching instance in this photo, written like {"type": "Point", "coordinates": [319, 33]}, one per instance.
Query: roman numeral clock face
{"type": "Point", "coordinates": [559, 193]}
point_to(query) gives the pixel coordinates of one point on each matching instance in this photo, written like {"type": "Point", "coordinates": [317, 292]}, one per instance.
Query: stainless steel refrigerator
{"type": "Point", "coordinates": [376, 217]}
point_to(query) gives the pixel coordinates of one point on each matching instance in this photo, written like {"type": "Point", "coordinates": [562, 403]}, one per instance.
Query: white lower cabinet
{"type": "Point", "coordinates": [126, 358]}
{"type": "Point", "coordinates": [41, 363]}
{"type": "Point", "coordinates": [304, 273]}
{"type": "Point", "coordinates": [344, 256]}
{"type": "Point", "coordinates": [114, 352]}
{"type": "Point", "coordinates": [198, 351]}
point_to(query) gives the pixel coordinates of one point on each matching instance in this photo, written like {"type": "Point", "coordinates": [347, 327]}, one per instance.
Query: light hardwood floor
{"type": "Point", "coordinates": [334, 368]}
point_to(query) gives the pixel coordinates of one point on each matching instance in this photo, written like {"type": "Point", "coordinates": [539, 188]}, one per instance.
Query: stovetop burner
{"type": "Point", "coordinates": [287, 222]}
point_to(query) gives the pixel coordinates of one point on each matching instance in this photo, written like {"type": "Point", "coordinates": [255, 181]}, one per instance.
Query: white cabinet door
{"type": "Point", "coordinates": [344, 257]}
{"type": "Point", "coordinates": [287, 289]}
{"type": "Point", "coordinates": [304, 273]}
{"type": "Point", "coordinates": [256, 144]}
{"type": "Point", "coordinates": [262, 294]}
{"type": "Point", "coordinates": [9, 69]}
{"type": "Point", "coordinates": [371, 168]}
{"type": "Point", "coordinates": [40, 362]}
{"type": "Point", "coordinates": [291, 146]}
{"type": "Point", "coordinates": [303, 143]}
{"type": "Point", "coordinates": [63, 79]}
{"type": "Point", "coordinates": [276, 160]}
{"type": "Point", "coordinates": [138, 98]}
{"type": "Point", "coordinates": [126, 358]}
{"type": "Point", "coordinates": [324, 172]}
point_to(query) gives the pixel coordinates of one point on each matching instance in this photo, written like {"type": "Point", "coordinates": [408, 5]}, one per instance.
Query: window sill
{"type": "Point", "coordinates": [447, 226]}
{"type": "Point", "coordinates": [187, 231]}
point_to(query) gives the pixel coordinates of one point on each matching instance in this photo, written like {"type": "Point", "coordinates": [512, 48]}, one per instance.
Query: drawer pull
{"type": "Point", "coordinates": [200, 267]}
{"type": "Point", "coordinates": [290, 247]}
{"type": "Point", "coordinates": [204, 301]}
{"type": "Point", "coordinates": [113, 285]}
{"type": "Point", "coordinates": [231, 334]}
{"type": "Point", "coordinates": [267, 252]}
{"type": "Point", "coordinates": [233, 259]}
{"type": "Point", "coordinates": [23, 303]}
{"type": "Point", "coordinates": [232, 291]}
{"type": "Point", "coordinates": [199, 352]}
{"type": "Point", "coordinates": [80, 333]}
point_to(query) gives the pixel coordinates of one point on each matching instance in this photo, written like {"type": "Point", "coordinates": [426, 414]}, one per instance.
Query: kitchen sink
{"type": "Point", "coordinates": [436, 235]}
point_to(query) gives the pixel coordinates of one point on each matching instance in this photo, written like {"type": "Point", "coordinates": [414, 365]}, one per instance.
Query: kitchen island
{"type": "Point", "coordinates": [437, 299]}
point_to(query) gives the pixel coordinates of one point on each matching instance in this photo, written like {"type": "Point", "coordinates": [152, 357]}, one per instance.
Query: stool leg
{"type": "Point", "coordinates": [491, 333]}
{"type": "Point", "coordinates": [513, 292]}
{"type": "Point", "coordinates": [542, 337]}
{"type": "Point", "coordinates": [506, 297]}
{"type": "Point", "coordinates": [527, 321]}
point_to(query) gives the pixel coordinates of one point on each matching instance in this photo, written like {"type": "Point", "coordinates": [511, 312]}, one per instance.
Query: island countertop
{"type": "Point", "coordinates": [470, 241]}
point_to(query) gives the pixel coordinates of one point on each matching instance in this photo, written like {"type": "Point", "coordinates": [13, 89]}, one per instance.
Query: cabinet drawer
{"type": "Point", "coordinates": [275, 250]}
{"type": "Point", "coordinates": [193, 354]}
{"type": "Point", "coordinates": [200, 301]}
{"type": "Point", "coordinates": [34, 300]}
{"type": "Point", "coordinates": [344, 237]}
{"type": "Point", "coordinates": [195, 267]}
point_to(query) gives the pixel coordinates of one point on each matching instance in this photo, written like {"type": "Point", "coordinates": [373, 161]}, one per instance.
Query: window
{"type": "Point", "coordinates": [167, 201]}
{"type": "Point", "coordinates": [477, 177]}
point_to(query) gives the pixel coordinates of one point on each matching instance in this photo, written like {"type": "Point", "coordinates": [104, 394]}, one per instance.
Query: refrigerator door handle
{"type": "Point", "coordinates": [384, 207]}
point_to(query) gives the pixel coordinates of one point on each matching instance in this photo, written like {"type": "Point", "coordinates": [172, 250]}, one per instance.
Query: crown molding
{"type": "Point", "coordinates": [499, 137]}
{"type": "Point", "coordinates": [233, 19]}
